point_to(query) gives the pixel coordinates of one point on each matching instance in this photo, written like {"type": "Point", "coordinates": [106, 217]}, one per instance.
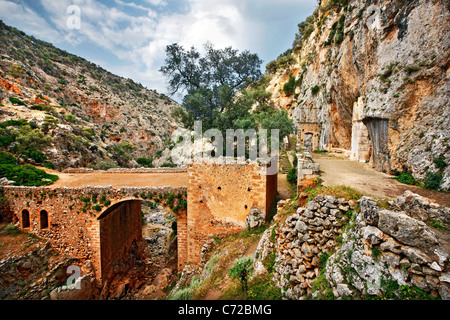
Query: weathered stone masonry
{"type": "Point", "coordinates": [220, 196]}
{"type": "Point", "coordinates": [99, 224]}
{"type": "Point", "coordinates": [103, 224]}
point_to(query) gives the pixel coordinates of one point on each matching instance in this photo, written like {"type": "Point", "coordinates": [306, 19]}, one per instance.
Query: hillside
{"type": "Point", "coordinates": [371, 77]}
{"type": "Point", "coordinates": [94, 118]}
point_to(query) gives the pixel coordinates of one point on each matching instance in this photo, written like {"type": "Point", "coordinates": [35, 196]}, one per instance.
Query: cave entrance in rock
{"type": "Point", "coordinates": [120, 232]}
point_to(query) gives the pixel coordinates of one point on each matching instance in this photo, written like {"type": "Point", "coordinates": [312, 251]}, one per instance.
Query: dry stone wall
{"type": "Point", "coordinates": [303, 240]}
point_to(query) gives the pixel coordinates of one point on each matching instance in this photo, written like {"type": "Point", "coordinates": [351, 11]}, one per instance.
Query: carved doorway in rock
{"type": "Point", "coordinates": [308, 144]}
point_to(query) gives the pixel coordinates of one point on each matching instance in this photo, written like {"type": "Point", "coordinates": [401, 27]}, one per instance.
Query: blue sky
{"type": "Point", "coordinates": [128, 37]}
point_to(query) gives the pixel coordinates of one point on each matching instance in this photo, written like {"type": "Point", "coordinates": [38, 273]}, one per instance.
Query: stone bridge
{"type": "Point", "coordinates": [103, 224]}
{"type": "Point", "coordinates": [100, 224]}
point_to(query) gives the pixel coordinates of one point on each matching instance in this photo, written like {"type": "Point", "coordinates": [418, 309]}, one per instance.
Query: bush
{"type": "Point", "coordinates": [406, 178]}
{"type": "Point", "coordinates": [40, 107]}
{"type": "Point", "coordinates": [145, 162]}
{"type": "Point", "coordinates": [315, 90]}
{"type": "Point", "coordinates": [16, 101]}
{"type": "Point", "coordinates": [26, 175]}
{"type": "Point", "coordinates": [263, 288]}
{"type": "Point", "coordinates": [432, 180]}
{"type": "Point", "coordinates": [6, 158]}
{"type": "Point", "coordinates": [289, 87]}
{"type": "Point", "coordinates": [70, 118]}
{"type": "Point", "coordinates": [440, 162]}
{"type": "Point", "coordinates": [242, 268]}
{"type": "Point", "coordinates": [37, 156]}
{"type": "Point", "coordinates": [48, 165]}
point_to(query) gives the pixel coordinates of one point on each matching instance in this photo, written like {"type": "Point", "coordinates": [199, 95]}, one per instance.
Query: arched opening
{"type": "Point", "coordinates": [137, 233]}
{"type": "Point", "coordinates": [25, 219]}
{"type": "Point", "coordinates": [120, 229]}
{"type": "Point", "coordinates": [43, 219]}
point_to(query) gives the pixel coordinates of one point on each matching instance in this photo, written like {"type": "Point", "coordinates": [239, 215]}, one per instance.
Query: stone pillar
{"type": "Point", "coordinates": [360, 134]}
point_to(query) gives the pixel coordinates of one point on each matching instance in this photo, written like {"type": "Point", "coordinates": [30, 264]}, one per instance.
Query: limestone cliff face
{"type": "Point", "coordinates": [87, 110]}
{"type": "Point", "coordinates": [374, 74]}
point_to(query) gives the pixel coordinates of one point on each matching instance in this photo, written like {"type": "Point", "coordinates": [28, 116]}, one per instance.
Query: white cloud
{"type": "Point", "coordinates": [138, 31]}
{"type": "Point", "coordinates": [30, 22]}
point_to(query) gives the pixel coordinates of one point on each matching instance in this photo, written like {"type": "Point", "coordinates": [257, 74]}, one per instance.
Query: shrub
{"type": "Point", "coordinates": [145, 162]}
{"type": "Point", "coordinates": [242, 268]}
{"type": "Point", "coordinates": [185, 293]}
{"type": "Point", "coordinates": [440, 162]}
{"type": "Point", "coordinates": [6, 158]}
{"type": "Point", "coordinates": [292, 175]}
{"type": "Point", "coordinates": [262, 288]}
{"type": "Point", "coordinates": [48, 165]}
{"type": "Point", "coordinates": [432, 180]}
{"type": "Point", "coordinates": [315, 90]}
{"type": "Point", "coordinates": [283, 61]}
{"type": "Point", "coordinates": [40, 107]}
{"type": "Point", "coordinates": [289, 87]}
{"type": "Point", "coordinates": [37, 156]}
{"type": "Point", "coordinates": [70, 118]}
{"type": "Point", "coordinates": [102, 164]}
{"type": "Point", "coordinates": [16, 101]}
{"type": "Point", "coordinates": [406, 178]}
{"type": "Point", "coordinates": [26, 175]}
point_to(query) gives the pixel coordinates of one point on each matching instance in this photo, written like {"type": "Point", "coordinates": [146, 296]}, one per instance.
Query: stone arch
{"type": "Point", "coordinates": [120, 228]}
{"type": "Point", "coordinates": [120, 231]}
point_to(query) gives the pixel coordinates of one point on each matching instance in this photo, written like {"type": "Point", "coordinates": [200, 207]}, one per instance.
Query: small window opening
{"type": "Point", "coordinates": [44, 219]}
{"type": "Point", "coordinates": [25, 219]}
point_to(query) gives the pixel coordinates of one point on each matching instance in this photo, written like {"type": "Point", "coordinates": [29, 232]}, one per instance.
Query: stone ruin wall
{"type": "Point", "coordinates": [84, 227]}
{"type": "Point", "coordinates": [221, 196]}
{"type": "Point", "coordinates": [307, 172]}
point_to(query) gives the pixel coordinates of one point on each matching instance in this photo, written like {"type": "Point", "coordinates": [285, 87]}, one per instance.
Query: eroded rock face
{"type": "Point", "coordinates": [392, 55]}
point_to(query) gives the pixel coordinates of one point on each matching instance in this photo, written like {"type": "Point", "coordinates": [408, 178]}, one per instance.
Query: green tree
{"type": "Point", "coordinates": [211, 82]}
{"type": "Point", "coordinates": [123, 152]}
{"type": "Point", "coordinates": [242, 269]}
{"type": "Point", "coordinates": [31, 142]}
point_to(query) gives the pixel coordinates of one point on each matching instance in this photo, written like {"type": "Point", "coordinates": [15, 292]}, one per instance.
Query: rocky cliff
{"type": "Point", "coordinates": [94, 117]}
{"type": "Point", "coordinates": [373, 74]}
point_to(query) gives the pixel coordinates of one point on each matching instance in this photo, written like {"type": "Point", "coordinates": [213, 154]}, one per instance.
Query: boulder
{"type": "Point", "coordinates": [405, 229]}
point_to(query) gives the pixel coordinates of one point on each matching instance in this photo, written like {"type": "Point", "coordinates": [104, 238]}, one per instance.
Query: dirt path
{"type": "Point", "coordinates": [118, 180]}
{"type": "Point", "coordinates": [361, 176]}
{"type": "Point", "coordinates": [284, 189]}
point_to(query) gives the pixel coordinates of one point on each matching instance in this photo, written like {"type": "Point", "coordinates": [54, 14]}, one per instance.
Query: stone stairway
{"type": "Point", "coordinates": [284, 163]}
